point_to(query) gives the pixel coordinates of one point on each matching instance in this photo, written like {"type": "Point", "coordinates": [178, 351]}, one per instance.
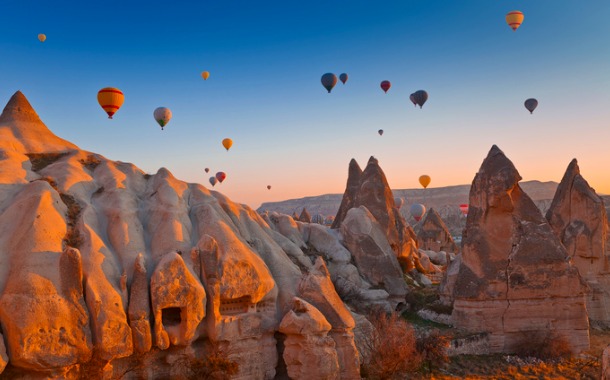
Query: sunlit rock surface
{"type": "Point", "coordinates": [515, 280]}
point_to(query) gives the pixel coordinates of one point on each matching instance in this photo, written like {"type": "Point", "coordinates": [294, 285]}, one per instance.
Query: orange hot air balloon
{"type": "Point", "coordinates": [424, 180]}
{"type": "Point", "coordinates": [268, 187]}
{"type": "Point", "coordinates": [205, 75]}
{"type": "Point", "coordinates": [220, 176]}
{"type": "Point", "coordinates": [514, 19]}
{"type": "Point", "coordinates": [110, 99]}
{"type": "Point", "coordinates": [42, 37]}
{"type": "Point", "coordinates": [227, 143]}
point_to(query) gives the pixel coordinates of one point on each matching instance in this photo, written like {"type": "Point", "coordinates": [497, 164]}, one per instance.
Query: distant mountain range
{"type": "Point", "coordinates": [445, 200]}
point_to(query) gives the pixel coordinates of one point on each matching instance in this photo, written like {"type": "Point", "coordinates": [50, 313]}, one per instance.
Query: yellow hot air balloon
{"type": "Point", "coordinates": [514, 19]}
{"type": "Point", "coordinates": [42, 37]}
{"type": "Point", "coordinates": [424, 180]}
{"type": "Point", "coordinates": [205, 75]}
{"type": "Point", "coordinates": [227, 143]}
{"type": "Point", "coordinates": [110, 99]}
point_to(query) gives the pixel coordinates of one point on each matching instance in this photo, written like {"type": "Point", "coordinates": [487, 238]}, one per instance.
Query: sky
{"type": "Point", "coordinates": [265, 61]}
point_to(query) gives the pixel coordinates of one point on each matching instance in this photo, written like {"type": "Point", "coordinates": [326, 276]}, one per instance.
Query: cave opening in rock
{"type": "Point", "coordinates": [171, 316]}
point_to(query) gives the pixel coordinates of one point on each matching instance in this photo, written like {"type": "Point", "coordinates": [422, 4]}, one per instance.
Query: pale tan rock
{"type": "Point", "coordinates": [317, 288]}
{"type": "Point", "coordinates": [372, 253]}
{"type": "Point", "coordinates": [139, 308]}
{"type": "Point", "coordinates": [178, 300]}
{"type": "Point", "coordinates": [606, 364]}
{"type": "Point", "coordinates": [308, 351]}
{"type": "Point", "coordinates": [578, 218]}
{"type": "Point", "coordinates": [515, 280]}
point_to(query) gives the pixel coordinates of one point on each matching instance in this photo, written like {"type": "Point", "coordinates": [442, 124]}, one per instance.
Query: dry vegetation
{"type": "Point", "coordinates": [91, 162]}
{"type": "Point", "coordinates": [73, 237]}
{"type": "Point", "coordinates": [42, 160]}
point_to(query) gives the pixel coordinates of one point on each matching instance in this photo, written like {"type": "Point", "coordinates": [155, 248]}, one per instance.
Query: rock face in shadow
{"type": "Point", "coordinates": [433, 235]}
{"type": "Point", "coordinates": [515, 280]}
{"type": "Point", "coordinates": [370, 189]}
{"type": "Point", "coordinates": [578, 218]}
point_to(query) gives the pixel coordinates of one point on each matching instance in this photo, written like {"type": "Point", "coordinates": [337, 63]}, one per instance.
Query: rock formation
{"type": "Point", "coordinates": [305, 217]}
{"type": "Point", "coordinates": [432, 234]}
{"type": "Point", "coordinates": [309, 352]}
{"type": "Point", "coordinates": [515, 280]}
{"type": "Point", "coordinates": [578, 217]}
{"type": "Point", "coordinates": [105, 269]}
{"type": "Point", "coordinates": [370, 189]}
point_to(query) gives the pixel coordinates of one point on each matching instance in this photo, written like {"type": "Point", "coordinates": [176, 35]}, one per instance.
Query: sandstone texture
{"type": "Point", "coordinates": [515, 280]}
{"type": "Point", "coordinates": [433, 235]}
{"type": "Point", "coordinates": [106, 270]}
{"type": "Point", "coordinates": [578, 218]}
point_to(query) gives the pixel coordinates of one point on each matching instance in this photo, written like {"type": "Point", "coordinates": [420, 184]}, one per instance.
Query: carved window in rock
{"type": "Point", "coordinates": [265, 305]}
{"type": "Point", "coordinates": [236, 306]}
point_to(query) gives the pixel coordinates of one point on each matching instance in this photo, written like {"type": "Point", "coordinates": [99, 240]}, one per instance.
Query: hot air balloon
{"type": "Point", "coordinates": [343, 78]}
{"type": "Point", "coordinates": [163, 116]}
{"type": "Point", "coordinates": [380, 132]}
{"type": "Point", "coordinates": [412, 98]}
{"type": "Point", "coordinates": [464, 209]}
{"type": "Point", "coordinates": [227, 143]}
{"type": "Point", "coordinates": [420, 97]}
{"type": "Point", "coordinates": [213, 180]}
{"type": "Point", "coordinates": [220, 176]}
{"type": "Point", "coordinates": [110, 99]}
{"type": "Point", "coordinates": [385, 85]}
{"type": "Point", "coordinates": [205, 75]}
{"type": "Point", "coordinates": [399, 202]}
{"type": "Point", "coordinates": [514, 19]}
{"type": "Point", "coordinates": [207, 170]}
{"type": "Point", "coordinates": [531, 104]}
{"type": "Point", "coordinates": [268, 187]}
{"type": "Point", "coordinates": [424, 180]}
{"type": "Point", "coordinates": [329, 80]}
{"type": "Point", "coordinates": [42, 37]}
{"type": "Point", "coordinates": [417, 210]}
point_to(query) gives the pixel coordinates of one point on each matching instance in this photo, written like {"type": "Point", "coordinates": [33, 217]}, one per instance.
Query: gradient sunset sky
{"type": "Point", "coordinates": [265, 61]}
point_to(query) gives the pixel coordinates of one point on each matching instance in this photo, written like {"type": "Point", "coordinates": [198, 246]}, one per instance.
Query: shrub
{"type": "Point", "coordinates": [432, 346]}
{"type": "Point", "coordinates": [543, 345]}
{"type": "Point", "coordinates": [215, 365]}
{"type": "Point", "coordinates": [42, 160]}
{"type": "Point", "coordinates": [91, 162]}
{"type": "Point", "coordinates": [390, 348]}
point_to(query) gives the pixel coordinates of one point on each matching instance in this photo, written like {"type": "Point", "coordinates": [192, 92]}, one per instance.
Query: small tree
{"type": "Point", "coordinates": [390, 348]}
{"type": "Point", "coordinates": [432, 346]}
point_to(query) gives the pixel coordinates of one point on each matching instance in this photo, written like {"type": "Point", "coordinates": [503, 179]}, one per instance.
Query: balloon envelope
{"type": "Point", "coordinates": [531, 104]}
{"type": "Point", "coordinates": [162, 115]}
{"type": "Point", "coordinates": [227, 143]}
{"type": "Point", "coordinates": [343, 78]}
{"type": "Point", "coordinates": [424, 180]}
{"type": "Point", "coordinates": [220, 176]}
{"type": "Point", "coordinates": [417, 211]}
{"type": "Point", "coordinates": [213, 180]}
{"type": "Point", "coordinates": [268, 187]}
{"type": "Point", "coordinates": [380, 132]}
{"type": "Point", "coordinates": [412, 99]}
{"type": "Point", "coordinates": [329, 80]}
{"type": "Point", "coordinates": [464, 209]}
{"type": "Point", "coordinates": [385, 85]}
{"type": "Point", "coordinates": [399, 202]}
{"type": "Point", "coordinates": [110, 99]}
{"type": "Point", "coordinates": [207, 170]}
{"type": "Point", "coordinates": [205, 75]}
{"type": "Point", "coordinates": [42, 37]}
{"type": "Point", "coordinates": [420, 97]}
{"type": "Point", "coordinates": [514, 19]}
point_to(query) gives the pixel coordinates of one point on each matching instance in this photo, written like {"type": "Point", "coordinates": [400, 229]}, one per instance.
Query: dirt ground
{"type": "Point", "coordinates": [585, 366]}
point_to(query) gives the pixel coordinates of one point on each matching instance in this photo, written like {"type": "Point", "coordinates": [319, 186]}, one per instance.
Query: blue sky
{"type": "Point", "coordinates": [264, 91]}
